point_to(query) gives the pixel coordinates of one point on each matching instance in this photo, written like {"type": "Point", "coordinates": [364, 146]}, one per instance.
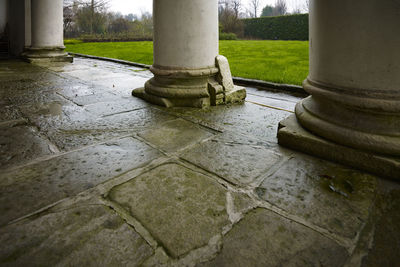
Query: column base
{"type": "Point", "coordinates": [48, 54]}
{"type": "Point", "coordinates": [237, 95]}
{"type": "Point", "coordinates": [171, 102]}
{"type": "Point", "coordinates": [292, 135]}
{"type": "Point", "coordinates": [199, 88]}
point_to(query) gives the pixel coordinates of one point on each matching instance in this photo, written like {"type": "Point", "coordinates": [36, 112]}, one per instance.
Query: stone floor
{"type": "Point", "coordinates": [91, 176]}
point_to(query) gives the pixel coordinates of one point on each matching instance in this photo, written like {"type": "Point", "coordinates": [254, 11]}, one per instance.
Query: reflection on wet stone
{"type": "Point", "coordinates": [181, 208]}
{"type": "Point", "coordinates": [33, 187]}
{"type": "Point", "coordinates": [78, 236]}
{"type": "Point", "coordinates": [328, 195]}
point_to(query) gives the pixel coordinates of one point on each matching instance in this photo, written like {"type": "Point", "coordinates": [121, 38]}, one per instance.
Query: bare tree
{"type": "Point", "coordinates": [99, 6]}
{"type": "Point", "coordinates": [254, 6]}
{"type": "Point", "coordinates": [280, 7]}
{"type": "Point", "coordinates": [236, 6]}
{"type": "Point", "coordinates": [306, 6]}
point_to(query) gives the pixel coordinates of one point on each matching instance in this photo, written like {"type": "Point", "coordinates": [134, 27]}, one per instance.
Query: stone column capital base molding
{"type": "Point", "coordinates": [203, 87]}
{"type": "Point", "coordinates": [46, 54]}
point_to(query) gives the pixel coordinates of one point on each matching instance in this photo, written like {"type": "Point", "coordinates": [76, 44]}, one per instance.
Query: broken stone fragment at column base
{"type": "Point", "coordinates": [174, 87]}
{"type": "Point", "coordinates": [237, 95]}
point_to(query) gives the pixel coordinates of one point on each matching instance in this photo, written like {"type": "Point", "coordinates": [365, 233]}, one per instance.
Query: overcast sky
{"type": "Point", "coordinates": [140, 6]}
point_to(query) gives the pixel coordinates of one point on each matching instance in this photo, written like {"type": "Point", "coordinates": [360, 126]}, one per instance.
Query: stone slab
{"type": "Point", "coordinates": [9, 112]}
{"type": "Point", "coordinates": [85, 235]}
{"type": "Point", "coordinates": [175, 135]}
{"type": "Point", "coordinates": [181, 208]}
{"type": "Point", "coordinates": [247, 118]}
{"type": "Point", "coordinates": [97, 97]}
{"type": "Point", "coordinates": [76, 127]}
{"type": "Point", "coordinates": [384, 247]}
{"type": "Point", "coordinates": [21, 144]}
{"type": "Point", "coordinates": [238, 159]}
{"type": "Point", "coordinates": [263, 238]}
{"type": "Point", "coordinates": [32, 187]}
{"type": "Point", "coordinates": [328, 195]}
{"type": "Point", "coordinates": [272, 99]}
{"type": "Point", "coordinates": [292, 135]}
{"type": "Point", "coordinates": [110, 108]}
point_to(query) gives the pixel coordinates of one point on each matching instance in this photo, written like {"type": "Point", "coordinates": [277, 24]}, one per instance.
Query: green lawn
{"type": "Point", "coordinates": [274, 61]}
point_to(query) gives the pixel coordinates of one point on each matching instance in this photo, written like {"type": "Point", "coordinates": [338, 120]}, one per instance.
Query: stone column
{"type": "Point", "coordinates": [353, 112]}
{"type": "Point", "coordinates": [185, 51]}
{"type": "Point", "coordinates": [28, 20]}
{"type": "Point", "coordinates": [47, 41]}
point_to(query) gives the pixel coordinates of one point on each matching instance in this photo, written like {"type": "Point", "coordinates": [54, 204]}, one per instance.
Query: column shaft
{"type": "Point", "coordinates": [185, 52]}
{"type": "Point", "coordinates": [47, 41]}
{"type": "Point", "coordinates": [354, 80]}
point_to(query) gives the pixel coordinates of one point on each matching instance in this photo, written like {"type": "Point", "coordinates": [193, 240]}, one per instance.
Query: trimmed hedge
{"type": "Point", "coordinates": [227, 36]}
{"type": "Point", "coordinates": [290, 27]}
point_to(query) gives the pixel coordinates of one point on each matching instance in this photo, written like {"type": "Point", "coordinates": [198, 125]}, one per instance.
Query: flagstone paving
{"type": "Point", "coordinates": [91, 176]}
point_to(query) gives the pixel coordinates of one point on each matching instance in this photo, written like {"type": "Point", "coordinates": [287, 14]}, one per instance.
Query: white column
{"type": "Point", "coordinates": [3, 16]}
{"type": "Point", "coordinates": [28, 20]}
{"type": "Point", "coordinates": [185, 51]}
{"type": "Point", "coordinates": [354, 75]}
{"type": "Point", "coordinates": [185, 33]}
{"type": "Point", "coordinates": [354, 82]}
{"type": "Point", "coordinates": [47, 41]}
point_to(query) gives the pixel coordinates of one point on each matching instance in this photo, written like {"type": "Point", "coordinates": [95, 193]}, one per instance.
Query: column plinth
{"type": "Point", "coordinates": [47, 41]}
{"type": "Point", "coordinates": [185, 55]}
{"type": "Point", "coordinates": [354, 83]}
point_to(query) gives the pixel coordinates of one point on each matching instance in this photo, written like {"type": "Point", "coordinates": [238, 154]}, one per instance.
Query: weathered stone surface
{"type": "Point", "coordinates": [263, 238]}
{"type": "Point", "coordinates": [76, 126]}
{"type": "Point", "coordinates": [65, 66]}
{"type": "Point", "coordinates": [94, 98]}
{"type": "Point", "coordinates": [386, 237]}
{"type": "Point", "coordinates": [78, 236]}
{"type": "Point", "coordinates": [328, 195]}
{"type": "Point", "coordinates": [291, 134]}
{"type": "Point", "coordinates": [272, 99]}
{"type": "Point", "coordinates": [239, 160]}
{"type": "Point", "coordinates": [123, 85]}
{"type": "Point", "coordinates": [123, 105]}
{"type": "Point", "coordinates": [241, 202]}
{"type": "Point", "coordinates": [32, 187]}
{"type": "Point", "coordinates": [20, 144]}
{"type": "Point", "coordinates": [182, 209]}
{"type": "Point", "coordinates": [9, 112]}
{"type": "Point", "coordinates": [224, 75]}
{"type": "Point", "coordinates": [236, 95]}
{"type": "Point", "coordinates": [175, 135]}
{"type": "Point", "coordinates": [247, 118]}
{"type": "Point", "coordinates": [93, 75]}
{"type": "Point", "coordinates": [42, 97]}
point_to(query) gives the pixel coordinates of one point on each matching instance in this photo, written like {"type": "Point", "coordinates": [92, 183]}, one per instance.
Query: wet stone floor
{"type": "Point", "coordinates": [91, 176]}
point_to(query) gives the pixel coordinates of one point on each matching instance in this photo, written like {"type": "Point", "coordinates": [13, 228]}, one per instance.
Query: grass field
{"type": "Point", "coordinates": [274, 61]}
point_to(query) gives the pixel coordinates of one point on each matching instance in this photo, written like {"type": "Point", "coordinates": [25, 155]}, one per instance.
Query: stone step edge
{"type": "Point", "coordinates": [289, 88]}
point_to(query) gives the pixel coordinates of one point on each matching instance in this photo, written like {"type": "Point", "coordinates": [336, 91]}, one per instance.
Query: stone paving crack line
{"type": "Point", "coordinates": [342, 241]}
{"type": "Point", "coordinates": [49, 157]}
{"type": "Point", "coordinates": [122, 112]}
{"type": "Point", "coordinates": [133, 222]}
{"type": "Point", "coordinates": [220, 180]}
{"type": "Point", "coordinates": [275, 98]}
{"type": "Point", "coordinates": [267, 106]}
{"type": "Point", "coordinates": [68, 99]}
